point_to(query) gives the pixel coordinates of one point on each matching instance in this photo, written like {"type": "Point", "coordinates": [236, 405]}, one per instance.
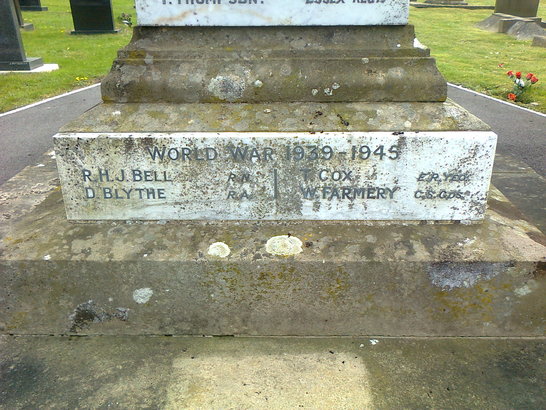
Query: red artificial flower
{"type": "Point", "coordinates": [533, 79]}
{"type": "Point", "coordinates": [529, 76]}
{"type": "Point", "coordinates": [512, 96]}
{"type": "Point", "coordinates": [518, 74]}
{"type": "Point", "coordinates": [510, 73]}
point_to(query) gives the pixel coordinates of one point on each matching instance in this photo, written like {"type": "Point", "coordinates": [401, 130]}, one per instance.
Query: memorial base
{"type": "Point", "coordinates": [27, 65]}
{"type": "Point", "coordinates": [90, 32]}
{"type": "Point", "coordinates": [522, 28]}
{"type": "Point", "coordinates": [33, 8]}
{"type": "Point", "coordinates": [354, 278]}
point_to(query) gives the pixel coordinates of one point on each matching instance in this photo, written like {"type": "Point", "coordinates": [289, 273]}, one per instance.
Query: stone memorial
{"type": "Point", "coordinates": [520, 8]}
{"type": "Point", "coordinates": [12, 52]}
{"type": "Point", "coordinates": [32, 5]}
{"type": "Point", "coordinates": [20, 20]}
{"type": "Point", "coordinates": [270, 168]}
{"type": "Point", "coordinates": [92, 17]}
{"type": "Point", "coordinates": [270, 150]}
{"type": "Point", "coordinates": [517, 18]}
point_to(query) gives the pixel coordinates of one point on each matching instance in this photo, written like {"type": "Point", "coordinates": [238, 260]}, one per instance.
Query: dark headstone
{"type": "Point", "coordinates": [20, 20]}
{"type": "Point", "coordinates": [92, 16]}
{"type": "Point", "coordinates": [32, 5]}
{"type": "Point", "coordinates": [447, 2]}
{"type": "Point", "coordinates": [521, 8]}
{"type": "Point", "coordinates": [12, 53]}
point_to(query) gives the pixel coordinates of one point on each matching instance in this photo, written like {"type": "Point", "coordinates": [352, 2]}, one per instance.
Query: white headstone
{"type": "Point", "coordinates": [271, 12]}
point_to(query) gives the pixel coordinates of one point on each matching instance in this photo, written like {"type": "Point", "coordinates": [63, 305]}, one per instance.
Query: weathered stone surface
{"type": "Point", "coordinates": [271, 12]}
{"type": "Point", "coordinates": [276, 117]}
{"type": "Point", "coordinates": [349, 278]}
{"type": "Point", "coordinates": [275, 373]}
{"type": "Point", "coordinates": [274, 64]}
{"type": "Point", "coordinates": [539, 41]}
{"type": "Point", "coordinates": [276, 176]}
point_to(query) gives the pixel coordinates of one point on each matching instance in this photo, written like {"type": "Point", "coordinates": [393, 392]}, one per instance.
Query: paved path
{"type": "Point", "coordinates": [26, 134]}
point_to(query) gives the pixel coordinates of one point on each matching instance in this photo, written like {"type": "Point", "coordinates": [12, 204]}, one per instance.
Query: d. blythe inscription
{"type": "Point", "coordinates": [325, 176]}
{"type": "Point", "coordinates": [271, 12]}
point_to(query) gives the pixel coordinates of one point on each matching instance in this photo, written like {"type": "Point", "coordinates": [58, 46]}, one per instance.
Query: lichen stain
{"type": "Point", "coordinates": [219, 249]}
{"type": "Point", "coordinates": [227, 87]}
{"type": "Point", "coordinates": [449, 275]}
{"type": "Point", "coordinates": [143, 295]}
{"type": "Point", "coordinates": [462, 304]}
{"type": "Point", "coordinates": [284, 245]}
{"type": "Point", "coordinates": [89, 312]}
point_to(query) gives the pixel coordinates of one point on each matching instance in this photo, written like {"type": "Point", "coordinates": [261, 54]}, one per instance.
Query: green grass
{"type": "Point", "coordinates": [465, 54]}
{"type": "Point", "coordinates": [470, 57]}
{"type": "Point", "coordinates": [82, 59]}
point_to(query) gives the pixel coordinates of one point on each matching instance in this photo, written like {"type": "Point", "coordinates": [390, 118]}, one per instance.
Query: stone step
{"type": "Point", "coordinates": [271, 373]}
{"type": "Point", "coordinates": [273, 64]}
{"type": "Point", "coordinates": [353, 278]}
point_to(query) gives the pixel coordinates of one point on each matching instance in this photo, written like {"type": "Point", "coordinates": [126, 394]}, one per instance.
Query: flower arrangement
{"type": "Point", "coordinates": [126, 19]}
{"type": "Point", "coordinates": [521, 85]}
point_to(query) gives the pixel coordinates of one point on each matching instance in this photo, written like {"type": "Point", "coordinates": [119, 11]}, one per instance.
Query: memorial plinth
{"type": "Point", "coordinates": [271, 180]}
{"type": "Point", "coordinates": [276, 123]}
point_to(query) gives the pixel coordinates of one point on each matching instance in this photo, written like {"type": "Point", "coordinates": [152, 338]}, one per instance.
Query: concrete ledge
{"type": "Point", "coordinates": [350, 279]}
{"type": "Point", "coordinates": [275, 117]}
{"type": "Point", "coordinates": [539, 41]}
{"type": "Point", "coordinates": [46, 68]}
{"type": "Point", "coordinates": [450, 6]}
{"type": "Point", "coordinates": [271, 373]}
{"type": "Point", "coordinates": [167, 64]}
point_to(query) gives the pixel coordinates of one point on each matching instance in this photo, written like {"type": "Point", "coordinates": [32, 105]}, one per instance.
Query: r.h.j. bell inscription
{"type": "Point", "coordinates": [276, 176]}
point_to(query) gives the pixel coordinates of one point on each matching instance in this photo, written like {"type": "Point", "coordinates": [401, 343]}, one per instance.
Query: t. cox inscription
{"type": "Point", "coordinates": [276, 176]}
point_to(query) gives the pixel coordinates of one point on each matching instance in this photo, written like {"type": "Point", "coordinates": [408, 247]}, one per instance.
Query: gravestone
{"type": "Point", "coordinates": [92, 17]}
{"type": "Point", "coordinates": [516, 18]}
{"type": "Point", "coordinates": [272, 168]}
{"type": "Point", "coordinates": [20, 20]}
{"type": "Point", "coordinates": [447, 2]}
{"type": "Point", "coordinates": [32, 5]}
{"type": "Point", "coordinates": [12, 53]}
{"type": "Point", "coordinates": [520, 8]}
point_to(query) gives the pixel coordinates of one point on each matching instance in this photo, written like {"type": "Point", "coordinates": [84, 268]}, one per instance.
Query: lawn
{"type": "Point", "coordinates": [465, 55]}
{"type": "Point", "coordinates": [479, 59]}
{"type": "Point", "coordinates": [82, 59]}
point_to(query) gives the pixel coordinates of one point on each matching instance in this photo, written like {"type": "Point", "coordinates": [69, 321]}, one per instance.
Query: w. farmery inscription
{"type": "Point", "coordinates": [276, 176]}
{"type": "Point", "coordinates": [271, 12]}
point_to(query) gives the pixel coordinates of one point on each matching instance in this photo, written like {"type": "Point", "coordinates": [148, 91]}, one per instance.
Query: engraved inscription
{"type": "Point", "coordinates": [385, 176]}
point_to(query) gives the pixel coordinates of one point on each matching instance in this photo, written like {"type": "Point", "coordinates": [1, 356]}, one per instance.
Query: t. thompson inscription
{"type": "Point", "coordinates": [271, 12]}
{"type": "Point", "coordinates": [381, 176]}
